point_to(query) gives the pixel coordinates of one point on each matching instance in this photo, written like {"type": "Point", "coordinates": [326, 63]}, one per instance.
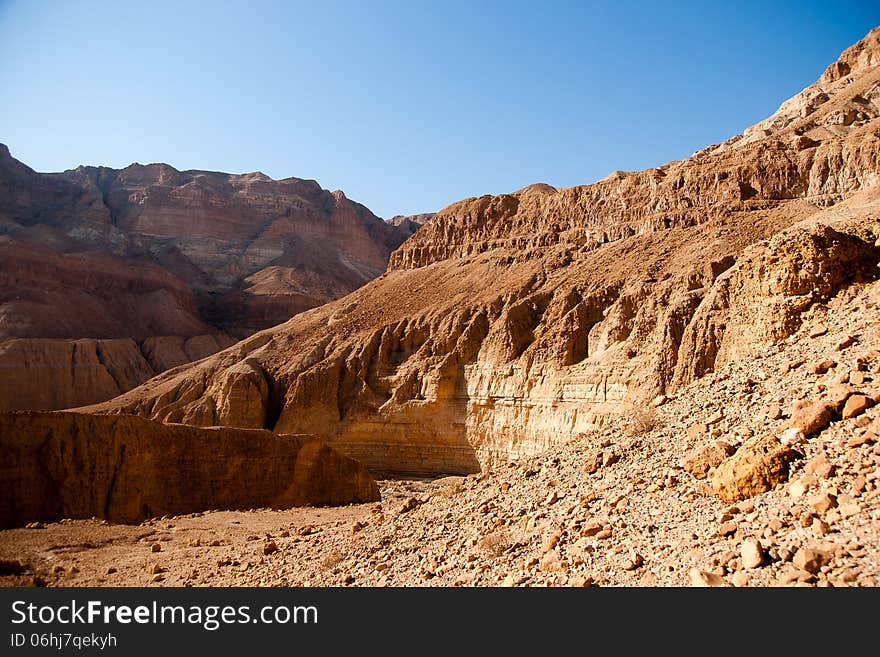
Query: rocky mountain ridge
{"type": "Point", "coordinates": [174, 264]}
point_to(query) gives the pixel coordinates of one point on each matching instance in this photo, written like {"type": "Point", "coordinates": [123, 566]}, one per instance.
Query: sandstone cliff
{"type": "Point", "coordinates": [162, 258]}
{"type": "Point", "coordinates": [127, 469]}
{"type": "Point", "coordinates": [510, 323]}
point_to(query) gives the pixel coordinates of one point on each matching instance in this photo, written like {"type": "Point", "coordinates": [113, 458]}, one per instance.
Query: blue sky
{"type": "Point", "coordinates": [406, 106]}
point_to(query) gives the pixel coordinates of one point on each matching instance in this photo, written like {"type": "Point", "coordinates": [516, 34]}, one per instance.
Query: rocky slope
{"type": "Point", "coordinates": [158, 267]}
{"type": "Point", "coordinates": [508, 324]}
{"type": "Point", "coordinates": [634, 503]}
{"type": "Point", "coordinates": [126, 469]}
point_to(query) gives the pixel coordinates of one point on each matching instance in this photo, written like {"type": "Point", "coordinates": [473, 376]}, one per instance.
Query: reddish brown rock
{"type": "Point", "coordinates": [757, 466]}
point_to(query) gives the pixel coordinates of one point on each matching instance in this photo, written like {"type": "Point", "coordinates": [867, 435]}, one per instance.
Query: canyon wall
{"type": "Point", "coordinates": [127, 469]}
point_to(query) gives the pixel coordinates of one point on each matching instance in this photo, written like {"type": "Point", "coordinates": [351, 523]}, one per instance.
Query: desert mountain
{"type": "Point", "coordinates": [684, 362]}
{"type": "Point", "coordinates": [410, 223]}
{"type": "Point", "coordinates": [108, 277]}
{"type": "Point", "coordinates": [509, 323]}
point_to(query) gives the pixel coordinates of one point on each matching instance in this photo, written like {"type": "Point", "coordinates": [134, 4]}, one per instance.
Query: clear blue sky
{"type": "Point", "coordinates": [406, 106]}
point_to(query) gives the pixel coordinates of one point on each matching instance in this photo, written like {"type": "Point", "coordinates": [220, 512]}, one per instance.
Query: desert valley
{"type": "Point", "coordinates": [668, 377]}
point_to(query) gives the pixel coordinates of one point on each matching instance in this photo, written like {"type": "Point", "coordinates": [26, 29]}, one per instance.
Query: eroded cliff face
{"type": "Point", "coordinates": [510, 323]}
{"type": "Point", "coordinates": [127, 469]}
{"type": "Point", "coordinates": [161, 258]}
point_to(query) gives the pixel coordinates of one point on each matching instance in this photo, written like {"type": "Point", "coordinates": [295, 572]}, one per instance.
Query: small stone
{"type": "Point", "coordinates": [818, 331]}
{"type": "Point", "coordinates": [820, 466]}
{"type": "Point", "coordinates": [35, 525]}
{"type": "Point", "coordinates": [551, 562]}
{"type": "Point", "coordinates": [774, 412]}
{"type": "Point", "coordinates": [111, 570]}
{"type": "Point", "coordinates": [591, 528]}
{"type": "Point", "coordinates": [269, 547]}
{"type": "Point", "coordinates": [727, 529]}
{"type": "Point", "coordinates": [552, 498]}
{"type": "Point", "coordinates": [740, 579]}
{"type": "Point", "coordinates": [856, 405]}
{"type": "Point", "coordinates": [752, 553]}
{"type": "Point", "coordinates": [820, 528]}
{"type": "Point", "coordinates": [602, 535]}
{"type": "Point", "coordinates": [695, 431]}
{"type": "Point", "coordinates": [812, 418]}
{"type": "Point", "coordinates": [659, 400]}
{"type": "Point", "coordinates": [798, 487]}
{"type": "Point", "coordinates": [823, 366]}
{"type": "Point", "coordinates": [857, 378]}
{"type": "Point", "coordinates": [704, 578]}
{"type": "Point", "coordinates": [156, 547]}
{"type": "Point", "coordinates": [357, 526]}
{"type": "Point", "coordinates": [858, 441]}
{"type": "Point", "coordinates": [792, 436]}
{"type": "Point", "coordinates": [635, 560]}
{"type": "Point", "coordinates": [155, 569]}
{"type": "Point", "coordinates": [846, 343]}
{"type": "Point", "coordinates": [609, 458]}
{"type": "Point", "coordinates": [592, 463]}
{"type": "Point", "coordinates": [158, 578]}
{"type": "Point", "coordinates": [551, 540]}
{"type": "Point", "coordinates": [810, 560]}
{"type": "Point", "coordinates": [821, 502]}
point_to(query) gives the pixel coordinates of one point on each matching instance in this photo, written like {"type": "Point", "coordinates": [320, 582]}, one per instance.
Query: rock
{"type": "Point", "coordinates": [792, 436]}
{"type": "Point", "coordinates": [551, 539]}
{"type": "Point", "coordinates": [740, 579]}
{"type": "Point", "coordinates": [856, 405]}
{"type": "Point", "coordinates": [812, 418]}
{"type": "Point", "coordinates": [269, 547]}
{"type": "Point", "coordinates": [838, 394]}
{"type": "Point", "coordinates": [35, 525]}
{"type": "Point", "coordinates": [820, 466]}
{"type": "Point", "coordinates": [821, 502]}
{"type": "Point", "coordinates": [126, 469]}
{"type": "Point", "coordinates": [798, 487]}
{"type": "Point", "coordinates": [757, 466]}
{"type": "Point", "coordinates": [592, 463]}
{"type": "Point", "coordinates": [633, 561]}
{"type": "Point", "coordinates": [155, 569]}
{"type": "Point", "coordinates": [820, 528]}
{"type": "Point", "coordinates": [591, 528]}
{"type": "Point", "coordinates": [810, 560]}
{"type": "Point", "coordinates": [817, 331]}
{"type": "Point", "coordinates": [822, 367]}
{"type": "Point", "coordinates": [696, 431]}
{"type": "Point", "coordinates": [700, 460]}
{"type": "Point", "coordinates": [727, 529]}
{"type": "Point", "coordinates": [751, 553]}
{"type": "Point", "coordinates": [703, 578]}
{"type": "Point", "coordinates": [774, 412]}
{"type": "Point", "coordinates": [155, 547]}
{"type": "Point", "coordinates": [551, 562]}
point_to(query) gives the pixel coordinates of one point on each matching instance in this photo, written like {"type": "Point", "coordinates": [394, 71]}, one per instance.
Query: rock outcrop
{"type": "Point", "coordinates": [409, 224]}
{"type": "Point", "coordinates": [127, 469]}
{"type": "Point", "coordinates": [162, 258]}
{"type": "Point", "coordinates": [508, 324]}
